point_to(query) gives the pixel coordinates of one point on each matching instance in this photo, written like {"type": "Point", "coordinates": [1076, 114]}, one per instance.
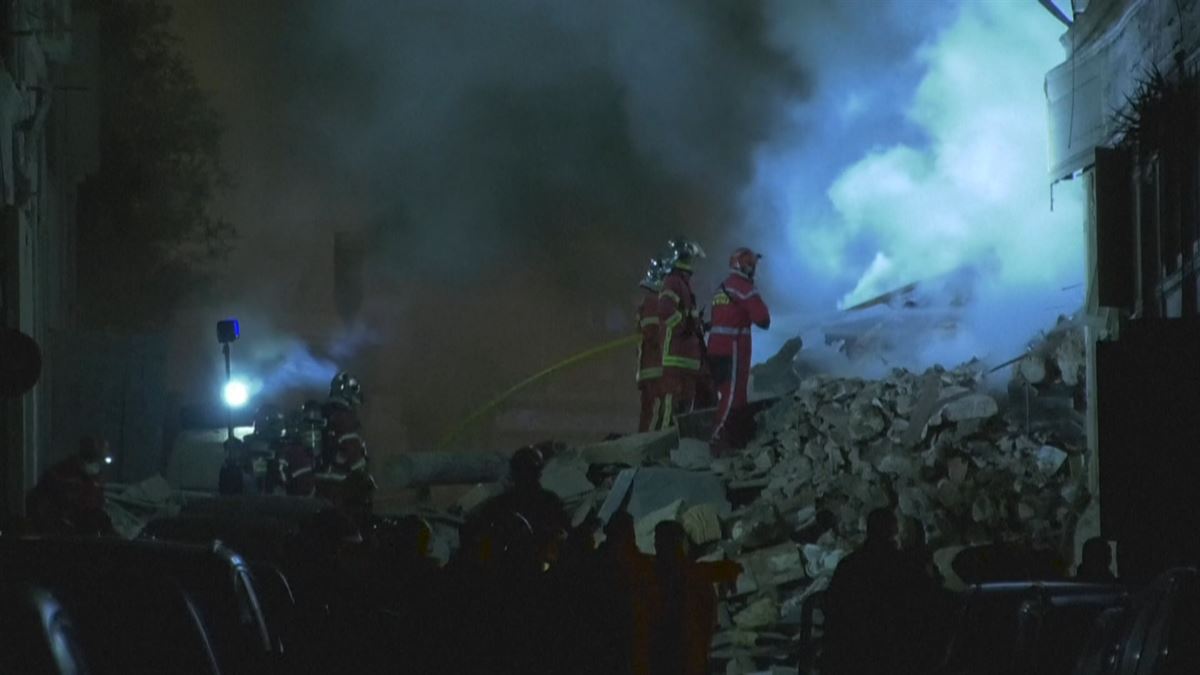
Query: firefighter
{"type": "Point", "coordinates": [261, 448]}
{"type": "Point", "coordinates": [69, 498]}
{"type": "Point", "coordinates": [650, 350]}
{"type": "Point", "coordinates": [680, 334]}
{"type": "Point", "coordinates": [342, 474]}
{"type": "Point", "coordinates": [301, 445]}
{"type": "Point", "coordinates": [737, 306]}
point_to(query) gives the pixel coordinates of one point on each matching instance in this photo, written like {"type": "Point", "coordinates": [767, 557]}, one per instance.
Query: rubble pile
{"type": "Point", "coordinates": [960, 463]}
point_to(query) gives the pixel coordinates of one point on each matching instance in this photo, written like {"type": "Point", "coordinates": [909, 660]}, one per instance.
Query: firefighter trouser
{"type": "Point", "coordinates": [650, 404]}
{"type": "Point", "coordinates": [676, 396]}
{"type": "Point", "coordinates": [732, 376]}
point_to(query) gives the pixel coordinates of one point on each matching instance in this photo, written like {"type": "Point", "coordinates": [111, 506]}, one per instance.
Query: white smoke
{"type": "Point", "coordinates": [968, 191]}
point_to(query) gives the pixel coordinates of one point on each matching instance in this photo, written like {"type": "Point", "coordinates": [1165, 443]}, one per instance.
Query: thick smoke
{"type": "Point", "coordinates": [513, 165]}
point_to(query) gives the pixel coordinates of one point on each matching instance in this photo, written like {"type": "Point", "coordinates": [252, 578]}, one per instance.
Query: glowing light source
{"type": "Point", "coordinates": [236, 394]}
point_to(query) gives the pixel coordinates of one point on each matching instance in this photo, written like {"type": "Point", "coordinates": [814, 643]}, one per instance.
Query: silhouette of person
{"type": "Point", "coordinates": [685, 603]}
{"type": "Point", "coordinates": [1096, 565]}
{"type": "Point", "coordinates": [873, 599]}
{"type": "Point", "coordinates": [622, 607]}
{"type": "Point", "coordinates": [540, 513]}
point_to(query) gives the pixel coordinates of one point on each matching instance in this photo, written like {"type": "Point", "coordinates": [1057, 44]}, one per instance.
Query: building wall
{"type": "Point", "coordinates": [1143, 224]}
{"type": "Point", "coordinates": [45, 150]}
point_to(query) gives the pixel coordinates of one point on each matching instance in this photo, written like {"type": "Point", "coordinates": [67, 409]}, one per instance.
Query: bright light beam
{"type": "Point", "coordinates": [236, 393]}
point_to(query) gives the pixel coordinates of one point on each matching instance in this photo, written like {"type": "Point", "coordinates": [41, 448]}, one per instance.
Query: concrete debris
{"type": "Point", "coordinates": [653, 488]}
{"type": "Point", "coordinates": [971, 407]}
{"type": "Point", "coordinates": [567, 478]}
{"type": "Point", "coordinates": [1050, 459]}
{"type": "Point", "coordinates": [477, 495]}
{"type": "Point", "coordinates": [632, 450]}
{"type": "Point", "coordinates": [964, 461]}
{"type": "Point", "coordinates": [761, 612]}
{"type": "Point", "coordinates": [692, 453]}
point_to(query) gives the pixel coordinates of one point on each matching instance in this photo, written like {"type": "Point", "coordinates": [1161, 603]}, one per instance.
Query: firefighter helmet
{"type": "Point", "coordinates": [655, 272]}
{"type": "Point", "coordinates": [269, 422]}
{"type": "Point", "coordinates": [745, 261]}
{"type": "Point", "coordinates": [682, 252]}
{"type": "Point", "coordinates": [345, 388]}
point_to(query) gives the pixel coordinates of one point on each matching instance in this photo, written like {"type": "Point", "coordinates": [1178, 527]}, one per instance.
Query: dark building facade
{"type": "Point", "coordinates": [1124, 111]}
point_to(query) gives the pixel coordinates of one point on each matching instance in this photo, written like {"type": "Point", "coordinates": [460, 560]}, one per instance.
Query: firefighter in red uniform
{"type": "Point", "coordinates": [342, 476]}
{"type": "Point", "coordinates": [69, 498]}
{"type": "Point", "coordinates": [736, 307]}
{"type": "Point", "coordinates": [680, 334]}
{"type": "Point", "coordinates": [297, 455]}
{"type": "Point", "coordinates": [650, 350]}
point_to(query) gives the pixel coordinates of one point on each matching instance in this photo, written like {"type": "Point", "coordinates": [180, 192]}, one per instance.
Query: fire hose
{"type": "Point", "coordinates": [503, 396]}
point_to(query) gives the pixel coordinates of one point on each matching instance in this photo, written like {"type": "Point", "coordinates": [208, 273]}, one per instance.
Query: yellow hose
{"type": "Point", "coordinates": [462, 426]}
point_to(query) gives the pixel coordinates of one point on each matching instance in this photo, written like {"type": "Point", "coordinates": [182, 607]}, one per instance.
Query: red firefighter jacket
{"type": "Point", "coordinates": [298, 464]}
{"type": "Point", "coordinates": [680, 330]}
{"type": "Point", "coordinates": [344, 451]}
{"type": "Point", "coordinates": [649, 350]}
{"type": "Point", "coordinates": [736, 306]}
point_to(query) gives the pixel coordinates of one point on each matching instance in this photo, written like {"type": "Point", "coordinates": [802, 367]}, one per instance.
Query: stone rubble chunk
{"type": "Point", "coordinates": [693, 454]}
{"type": "Point", "coordinates": [1050, 459]}
{"type": "Point", "coordinates": [631, 450]}
{"type": "Point", "coordinates": [762, 612]}
{"type": "Point", "coordinates": [821, 561]}
{"type": "Point", "coordinates": [567, 478]}
{"type": "Point", "coordinates": [971, 407]}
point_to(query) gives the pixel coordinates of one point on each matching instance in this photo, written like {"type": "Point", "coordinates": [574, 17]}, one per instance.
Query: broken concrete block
{"type": "Point", "coordinates": [1050, 459]}
{"type": "Point", "coordinates": [702, 523]}
{"type": "Point", "coordinates": [693, 454]}
{"type": "Point", "coordinates": [644, 527]}
{"type": "Point", "coordinates": [971, 407]}
{"type": "Point", "coordinates": [631, 450]}
{"type": "Point", "coordinates": [567, 478]}
{"type": "Point", "coordinates": [651, 488]}
{"type": "Point", "coordinates": [983, 509]}
{"type": "Point", "coordinates": [761, 612]}
{"type": "Point", "coordinates": [478, 495]}
{"type": "Point", "coordinates": [956, 470]}
{"type": "Point", "coordinates": [760, 526]}
{"type": "Point", "coordinates": [820, 561]}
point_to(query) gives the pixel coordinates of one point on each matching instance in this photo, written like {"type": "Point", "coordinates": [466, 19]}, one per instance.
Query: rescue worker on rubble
{"type": "Point", "coordinates": [69, 498]}
{"type": "Point", "coordinates": [680, 334]}
{"type": "Point", "coordinates": [342, 475]}
{"type": "Point", "coordinates": [737, 306]}
{"type": "Point", "coordinates": [650, 350]}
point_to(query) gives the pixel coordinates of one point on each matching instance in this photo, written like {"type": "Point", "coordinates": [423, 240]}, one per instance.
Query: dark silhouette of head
{"type": "Point", "coordinates": [882, 527]}
{"type": "Point", "coordinates": [619, 532]}
{"type": "Point", "coordinates": [670, 542]}
{"type": "Point", "coordinates": [1097, 556]}
{"type": "Point", "coordinates": [525, 467]}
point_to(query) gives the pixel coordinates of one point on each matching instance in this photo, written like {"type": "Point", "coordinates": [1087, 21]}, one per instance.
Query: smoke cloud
{"type": "Point", "coordinates": [513, 165]}
{"type": "Point", "coordinates": [960, 187]}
